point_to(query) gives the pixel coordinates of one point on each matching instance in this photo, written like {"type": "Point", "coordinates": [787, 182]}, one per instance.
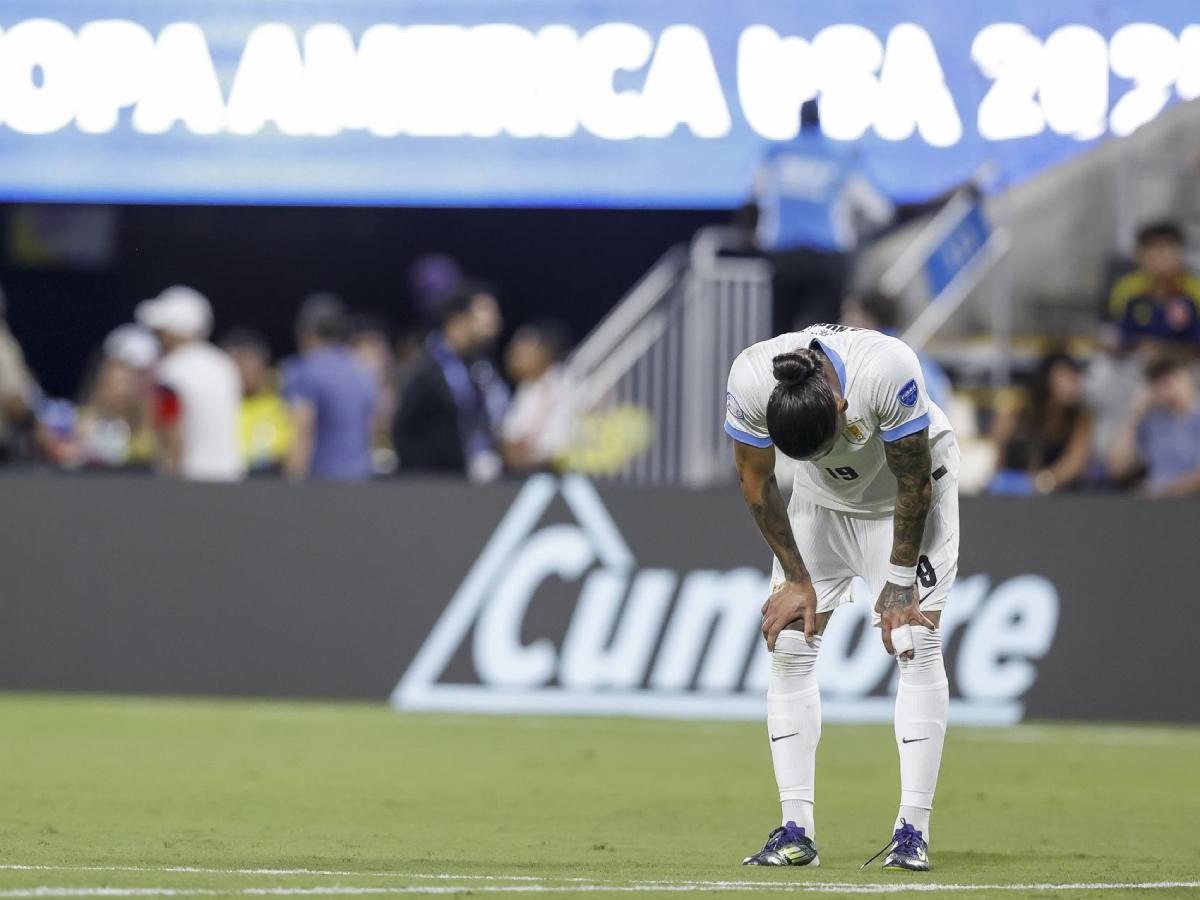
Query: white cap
{"type": "Point", "coordinates": [178, 310]}
{"type": "Point", "coordinates": [133, 345]}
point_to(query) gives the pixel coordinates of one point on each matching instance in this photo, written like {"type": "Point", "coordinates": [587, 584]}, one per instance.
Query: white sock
{"type": "Point", "coordinates": [794, 724]}
{"type": "Point", "coordinates": [922, 706]}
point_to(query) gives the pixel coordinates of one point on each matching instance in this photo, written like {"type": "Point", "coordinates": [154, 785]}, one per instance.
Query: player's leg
{"type": "Point", "coordinates": [923, 694]}
{"type": "Point", "coordinates": [922, 707]}
{"type": "Point", "coordinates": [793, 698]}
{"type": "Point", "coordinates": [794, 721]}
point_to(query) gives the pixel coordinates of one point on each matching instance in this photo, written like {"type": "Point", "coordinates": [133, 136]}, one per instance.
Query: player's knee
{"type": "Point", "coordinates": [794, 656]}
{"type": "Point", "coordinates": [926, 666]}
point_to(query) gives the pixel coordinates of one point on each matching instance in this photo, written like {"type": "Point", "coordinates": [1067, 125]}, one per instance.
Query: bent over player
{"type": "Point", "coordinates": [875, 495]}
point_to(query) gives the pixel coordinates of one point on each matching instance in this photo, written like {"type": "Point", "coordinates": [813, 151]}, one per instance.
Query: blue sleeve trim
{"type": "Point", "coordinates": [912, 426]}
{"type": "Point", "coordinates": [747, 438]}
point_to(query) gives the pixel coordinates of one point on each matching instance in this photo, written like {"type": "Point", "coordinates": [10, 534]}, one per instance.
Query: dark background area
{"type": "Point", "coordinates": [256, 264]}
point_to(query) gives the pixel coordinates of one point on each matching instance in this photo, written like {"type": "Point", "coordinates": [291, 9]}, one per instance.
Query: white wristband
{"type": "Point", "coordinates": [904, 576]}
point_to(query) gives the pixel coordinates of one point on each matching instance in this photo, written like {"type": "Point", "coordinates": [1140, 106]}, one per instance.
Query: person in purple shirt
{"type": "Point", "coordinates": [331, 395]}
{"type": "Point", "coordinates": [1162, 432]}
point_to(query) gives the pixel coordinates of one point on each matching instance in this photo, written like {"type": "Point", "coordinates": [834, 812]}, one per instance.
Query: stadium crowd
{"type": "Point", "coordinates": [164, 395]}
{"type": "Point", "coordinates": [355, 403]}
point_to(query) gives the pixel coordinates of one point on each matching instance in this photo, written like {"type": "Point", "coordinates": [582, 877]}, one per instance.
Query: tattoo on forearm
{"type": "Point", "coordinates": [909, 460]}
{"type": "Point", "coordinates": [770, 513]}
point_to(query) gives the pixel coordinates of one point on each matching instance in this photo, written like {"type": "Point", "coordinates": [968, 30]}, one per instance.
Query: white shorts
{"type": "Point", "coordinates": [837, 546]}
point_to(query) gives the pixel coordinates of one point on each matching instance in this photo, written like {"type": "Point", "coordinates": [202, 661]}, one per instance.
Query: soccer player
{"type": "Point", "coordinates": [875, 496]}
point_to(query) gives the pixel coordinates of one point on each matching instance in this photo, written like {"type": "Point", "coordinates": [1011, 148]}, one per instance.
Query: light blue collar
{"type": "Point", "coordinates": [839, 367]}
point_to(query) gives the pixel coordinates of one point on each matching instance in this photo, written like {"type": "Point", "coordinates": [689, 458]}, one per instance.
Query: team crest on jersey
{"type": "Point", "coordinates": [856, 431]}
{"type": "Point", "coordinates": [908, 393]}
{"type": "Point", "coordinates": [734, 407]}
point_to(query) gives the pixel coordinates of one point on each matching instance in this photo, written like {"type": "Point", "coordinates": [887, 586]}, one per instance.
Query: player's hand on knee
{"type": "Point", "coordinates": [792, 601]}
{"type": "Point", "coordinates": [898, 609]}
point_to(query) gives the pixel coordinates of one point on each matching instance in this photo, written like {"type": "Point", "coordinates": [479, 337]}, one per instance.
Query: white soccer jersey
{"type": "Point", "coordinates": [881, 381]}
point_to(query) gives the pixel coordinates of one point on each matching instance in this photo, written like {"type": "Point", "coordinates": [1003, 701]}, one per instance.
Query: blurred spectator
{"type": "Point", "coordinates": [815, 202]}
{"type": "Point", "coordinates": [1162, 432]}
{"type": "Point", "coordinates": [1161, 300]}
{"type": "Point", "coordinates": [880, 312]}
{"type": "Point", "coordinates": [55, 431]}
{"type": "Point", "coordinates": [265, 423]}
{"type": "Point", "coordinates": [198, 392]}
{"type": "Point", "coordinates": [537, 426]}
{"type": "Point", "coordinates": [371, 346]}
{"type": "Point", "coordinates": [113, 428]}
{"type": "Point", "coordinates": [331, 396]}
{"type": "Point", "coordinates": [453, 399]}
{"type": "Point", "coordinates": [408, 352]}
{"type": "Point", "coordinates": [485, 309]}
{"type": "Point", "coordinates": [1044, 441]}
{"type": "Point", "coordinates": [133, 345]}
{"type": "Point", "coordinates": [17, 388]}
{"type": "Point", "coordinates": [1110, 385]}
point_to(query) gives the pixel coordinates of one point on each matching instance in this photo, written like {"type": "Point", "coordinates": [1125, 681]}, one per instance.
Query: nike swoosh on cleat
{"type": "Point", "coordinates": [908, 740]}
{"type": "Point", "coordinates": [782, 736]}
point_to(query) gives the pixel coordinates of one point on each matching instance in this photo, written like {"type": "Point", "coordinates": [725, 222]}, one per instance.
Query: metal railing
{"type": "Point", "coordinates": [650, 379]}
{"type": "Point", "coordinates": [988, 258]}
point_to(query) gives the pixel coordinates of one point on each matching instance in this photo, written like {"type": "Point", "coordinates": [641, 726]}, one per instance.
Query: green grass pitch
{"type": "Point", "coordinates": [105, 797]}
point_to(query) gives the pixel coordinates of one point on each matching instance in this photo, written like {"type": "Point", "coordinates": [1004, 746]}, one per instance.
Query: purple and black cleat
{"type": "Point", "coordinates": [908, 851]}
{"type": "Point", "coordinates": [787, 845]}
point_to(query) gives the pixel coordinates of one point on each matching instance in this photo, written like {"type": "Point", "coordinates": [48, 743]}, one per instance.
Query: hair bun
{"type": "Point", "coordinates": [795, 367]}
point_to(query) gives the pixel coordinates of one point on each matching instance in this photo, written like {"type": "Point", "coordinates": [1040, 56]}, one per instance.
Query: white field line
{"type": "Point", "coordinates": [677, 887]}
{"type": "Point", "coordinates": [518, 884]}
{"type": "Point", "coordinates": [202, 870]}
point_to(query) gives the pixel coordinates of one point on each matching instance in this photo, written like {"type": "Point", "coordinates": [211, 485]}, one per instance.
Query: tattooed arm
{"type": "Point", "coordinates": [795, 599]}
{"type": "Point", "coordinates": [909, 460]}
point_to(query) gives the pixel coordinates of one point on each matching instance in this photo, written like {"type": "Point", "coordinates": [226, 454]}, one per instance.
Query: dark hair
{"type": "Point", "coordinates": [1165, 230]}
{"type": "Point", "coordinates": [456, 304]}
{"type": "Point", "coordinates": [802, 414]}
{"type": "Point", "coordinates": [361, 324]}
{"type": "Point", "coordinates": [550, 333]}
{"type": "Point", "coordinates": [242, 338]}
{"type": "Point", "coordinates": [324, 315]}
{"type": "Point", "coordinates": [1039, 389]}
{"type": "Point", "coordinates": [460, 299]}
{"type": "Point", "coordinates": [1164, 364]}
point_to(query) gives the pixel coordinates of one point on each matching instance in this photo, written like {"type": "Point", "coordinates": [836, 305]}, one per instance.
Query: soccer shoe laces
{"type": "Point", "coordinates": [906, 839]}
{"type": "Point", "coordinates": [784, 834]}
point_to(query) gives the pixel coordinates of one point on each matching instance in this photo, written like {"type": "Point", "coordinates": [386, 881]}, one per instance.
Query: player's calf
{"type": "Point", "coordinates": [922, 707]}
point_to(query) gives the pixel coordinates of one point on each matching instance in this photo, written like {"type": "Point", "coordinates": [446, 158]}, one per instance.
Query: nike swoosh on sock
{"type": "Point", "coordinates": [782, 736]}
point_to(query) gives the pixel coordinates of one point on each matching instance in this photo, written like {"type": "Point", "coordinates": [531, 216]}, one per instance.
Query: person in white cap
{"type": "Point", "coordinates": [113, 424]}
{"type": "Point", "coordinates": [198, 392]}
{"type": "Point", "coordinates": [132, 344]}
